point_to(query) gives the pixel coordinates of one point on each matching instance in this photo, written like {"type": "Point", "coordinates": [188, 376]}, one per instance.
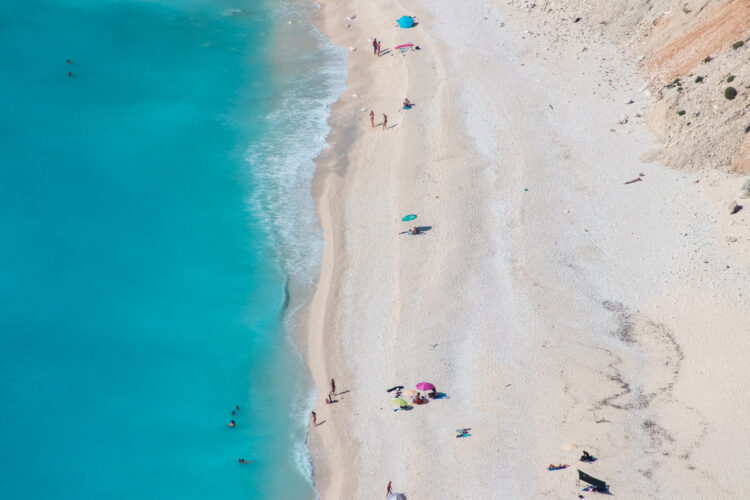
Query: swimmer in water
{"type": "Point", "coordinates": [70, 74]}
{"type": "Point", "coordinates": [243, 461]}
{"type": "Point", "coordinates": [231, 424]}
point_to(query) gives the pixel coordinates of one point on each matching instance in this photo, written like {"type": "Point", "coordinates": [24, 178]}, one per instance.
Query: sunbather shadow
{"type": "Point", "coordinates": [394, 125]}
{"type": "Point", "coordinates": [385, 51]}
{"type": "Point", "coordinates": [320, 423]}
{"type": "Point", "coordinates": [342, 392]}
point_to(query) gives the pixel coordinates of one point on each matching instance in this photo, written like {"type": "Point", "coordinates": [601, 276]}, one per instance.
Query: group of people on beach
{"type": "Point", "coordinates": [407, 104]}
{"type": "Point", "coordinates": [329, 399]}
{"type": "Point", "coordinates": [376, 47]}
{"type": "Point", "coordinates": [372, 119]}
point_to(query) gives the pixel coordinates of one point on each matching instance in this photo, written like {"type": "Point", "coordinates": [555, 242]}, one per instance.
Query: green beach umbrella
{"type": "Point", "coordinates": [409, 217]}
{"type": "Point", "coordinates": [399, 402]}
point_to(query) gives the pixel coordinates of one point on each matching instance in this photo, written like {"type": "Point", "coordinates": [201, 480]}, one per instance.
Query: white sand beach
{"type": "Point", "coordinates": [557, 307]}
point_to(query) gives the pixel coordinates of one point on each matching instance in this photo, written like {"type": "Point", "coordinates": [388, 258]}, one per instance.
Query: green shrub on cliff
{"type": "Point", "coordinates": [730, 93]}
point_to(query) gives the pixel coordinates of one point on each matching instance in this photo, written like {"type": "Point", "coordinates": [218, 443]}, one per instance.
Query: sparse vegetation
{"type": "Point", "coordinates": [707, 59]}
{"type": "Point", "coordinates": [676, 83]}
{"type": "Point", "coordinates": [681, 112]}
{"type": "Point", "coordinates": [730, 93]}
{"type": "Point", "coordinates": [698, 79]}
{"type": "Point", "coordinates": [737, 45]}
{"type": "Point", "coordinates": [730, 78]}
{"type": "Point", "coordinates": [746, 188]}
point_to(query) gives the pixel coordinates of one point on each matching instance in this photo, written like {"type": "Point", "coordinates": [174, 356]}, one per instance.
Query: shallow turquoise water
{"type": "Point", "coordinates": [142, 282]}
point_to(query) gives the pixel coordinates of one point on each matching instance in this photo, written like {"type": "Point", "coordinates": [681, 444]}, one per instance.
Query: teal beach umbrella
{"type": "Point", "coordinates": [405, 21]}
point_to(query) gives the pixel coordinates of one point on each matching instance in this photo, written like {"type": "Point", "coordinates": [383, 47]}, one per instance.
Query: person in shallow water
{"type": "Point", "coordinates": [231, 424]}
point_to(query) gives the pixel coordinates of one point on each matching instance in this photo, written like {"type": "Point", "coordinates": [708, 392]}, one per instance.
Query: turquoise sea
{"type": "Point", "coordinates": [157, 234]}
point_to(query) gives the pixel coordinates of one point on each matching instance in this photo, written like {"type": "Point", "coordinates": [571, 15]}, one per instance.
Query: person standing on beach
{"type": "Point", "coordinates": [385, 120]}
{"type": "Point", "coordinates": [372, 117]}
{"type": "Point", "coordinates": [333, 388]}
{"type": "Point", "coordinates": [315, 418]}
{"type": "Point", "coordinates": [378, 49]}
{"type": "Point", "coordinates": [388, 491]}
{"type": "Point", "coordinates": [374, 46]}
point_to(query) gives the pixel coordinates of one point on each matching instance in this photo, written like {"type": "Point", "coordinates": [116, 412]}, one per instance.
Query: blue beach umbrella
{"type": "Point", "coordinates": [409, 217]}
{"type": "Point", "coordinates": [405, 21]}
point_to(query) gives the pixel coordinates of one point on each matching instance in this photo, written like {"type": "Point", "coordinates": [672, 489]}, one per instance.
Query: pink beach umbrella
{"type": "Point", "coordinates": [425, 386]}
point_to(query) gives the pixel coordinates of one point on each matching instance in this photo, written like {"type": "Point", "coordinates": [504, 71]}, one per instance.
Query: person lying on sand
{"type": "Point", "coordinates": [433, 393]}
{"type": "Point", "coordinates": [556, 467]}
{"type": "Point", "coordinates": [414, 230]}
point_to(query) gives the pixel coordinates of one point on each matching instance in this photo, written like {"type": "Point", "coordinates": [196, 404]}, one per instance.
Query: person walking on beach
{"type": "Point", "coordinates": [385, 120]}
{"type": "Point", "coordinates": [388, 491]}
{"type": "Point", "coordinates": [333, 388]}
{"type": "Point", "coordinates": [315, 418]}
{"type": "Point", "coordinates": [378, 48]}
{"type": "Point", "coordinates": [374, 46]}
{"type": "Point", "coordinates": [372, 117]}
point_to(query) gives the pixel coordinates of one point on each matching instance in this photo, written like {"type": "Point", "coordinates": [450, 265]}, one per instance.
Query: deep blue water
{"type": "Point", "coordinates": [143, 282]}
